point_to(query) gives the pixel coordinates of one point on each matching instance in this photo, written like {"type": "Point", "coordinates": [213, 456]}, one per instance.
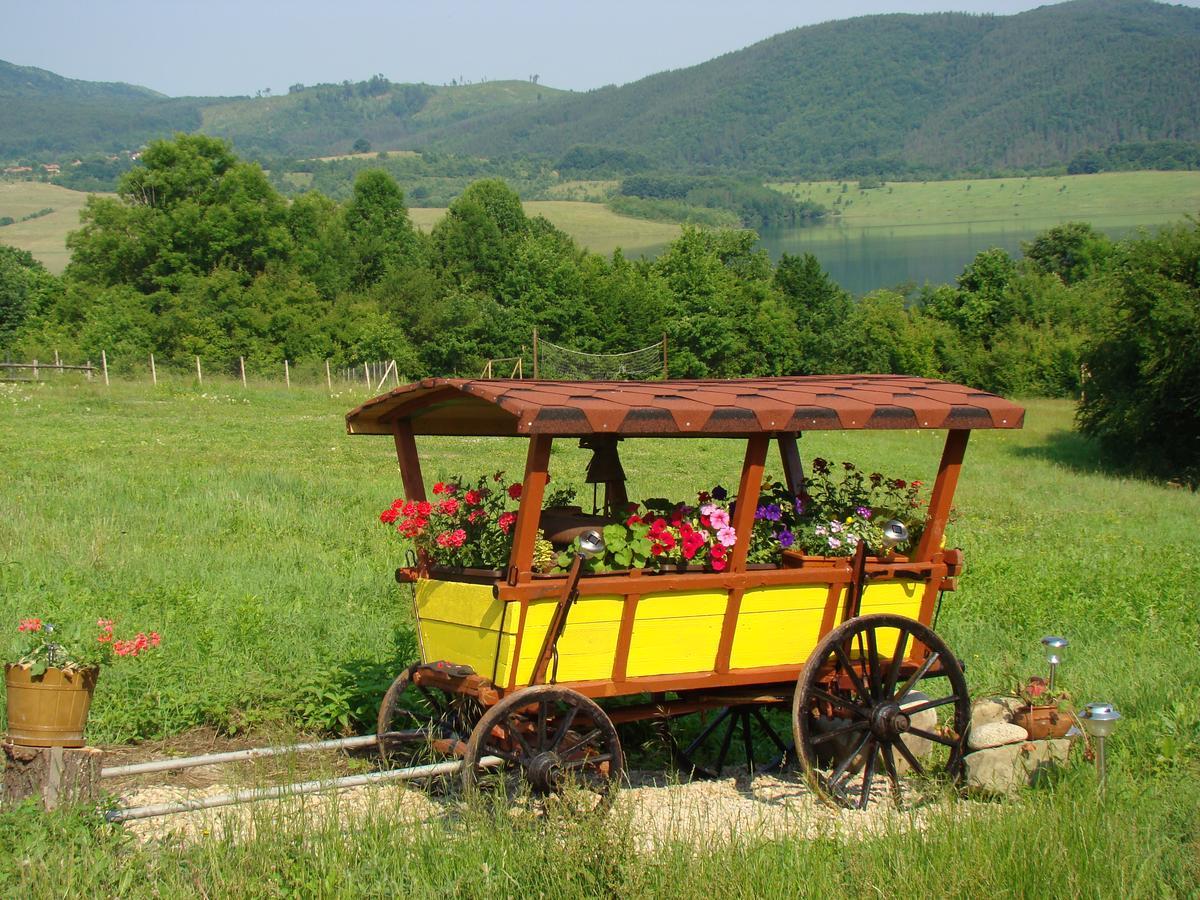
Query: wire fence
{"type": "Point", "coordinates": [369, 377]}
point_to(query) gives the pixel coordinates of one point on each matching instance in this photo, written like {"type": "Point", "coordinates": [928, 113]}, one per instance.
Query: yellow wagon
{"type": "Point", "coordinates": [535, 669]}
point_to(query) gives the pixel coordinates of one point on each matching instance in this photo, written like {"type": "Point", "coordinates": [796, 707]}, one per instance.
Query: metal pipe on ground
{"type": "Point", "coordinates": [209, 759]}
{"type": "Point", "coordinates": [288, 790]}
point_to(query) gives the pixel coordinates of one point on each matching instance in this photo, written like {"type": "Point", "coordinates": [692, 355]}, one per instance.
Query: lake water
{"type": "Point", "coordinates": [863, 258]}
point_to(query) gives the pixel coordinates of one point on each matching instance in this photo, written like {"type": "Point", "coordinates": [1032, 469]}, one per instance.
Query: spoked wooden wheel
{"type": "Point", "coordinates": [857, 711]}
{"type": "Point", "coordinates": [724, 741]}
{"type": "Point", "coordinates": [551, 740]}
{"type": "Point", "coordinates": [419, 724]}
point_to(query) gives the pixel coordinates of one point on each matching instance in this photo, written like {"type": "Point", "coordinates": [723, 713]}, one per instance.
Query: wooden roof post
{"type": "Point", "coordinates": [793, 469]}
{"type": "Point", "coordinates": [943, 493]}
{"type": "Point", "coordinates": [533, 489]}
{"type": "Point", "coordinates": [743, 523]}
{"type": "Point", "coordinates": [410, 463]}
{"type": "Point", "coordinates": [747, 498]}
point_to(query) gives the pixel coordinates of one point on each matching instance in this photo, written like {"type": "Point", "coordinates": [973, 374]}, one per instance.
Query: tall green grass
{"type": "Point", "coordinates": [242, 526]}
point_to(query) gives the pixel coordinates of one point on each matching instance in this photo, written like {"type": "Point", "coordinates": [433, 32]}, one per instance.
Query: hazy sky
{"type": "Point", "coordinates": [183, 47]}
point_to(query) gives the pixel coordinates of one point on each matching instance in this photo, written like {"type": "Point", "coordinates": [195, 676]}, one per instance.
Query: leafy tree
{"type": "Point", "coordinates": [1142, 386]}
{"type": "Point", "coordinates": [27, 291]}
{"type": "Point", "coordinates": [190, 208]}
{"type": "Point", "coordinates": [380, 234]}
{"type": "Point", "coordinates": [1072, 251]}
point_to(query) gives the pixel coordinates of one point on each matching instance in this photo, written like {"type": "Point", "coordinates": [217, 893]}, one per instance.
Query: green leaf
{"type": "Point", "coordinates": [39, 668]}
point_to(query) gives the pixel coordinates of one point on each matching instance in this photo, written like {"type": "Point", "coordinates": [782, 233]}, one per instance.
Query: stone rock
{"type": "Point", "coordinates": [996, 734]}
{"type": "Point", "coordinates": [1007, 769]}
{"type": "Point", "coordinates": [926, 720]}
{"type": "Point", "coordinates": [987, 710]}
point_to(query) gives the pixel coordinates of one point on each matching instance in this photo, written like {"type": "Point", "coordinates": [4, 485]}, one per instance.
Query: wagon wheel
{"type": "Point", "coordinates": [856, 702]}
{"type": "Point", "coordinates": [419, 724]}
{"type": "Point", "coordinates": [751, 734]}
{"type": "Point", "coordinates": [552, 740]}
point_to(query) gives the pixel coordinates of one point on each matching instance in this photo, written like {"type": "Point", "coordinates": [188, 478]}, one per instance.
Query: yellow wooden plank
{"type": "Point", "coordinates": [586, 651]}
{"type": "Point", "coordinates": [462, 644]}
{"type": "Point", "coordinates": [453, 601]}
{"type": "Point", "coordinates": [778, 626]}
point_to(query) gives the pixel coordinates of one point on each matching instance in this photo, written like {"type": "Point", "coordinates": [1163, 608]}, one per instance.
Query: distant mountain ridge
{"type": "Point", "coordinates": [890, 95]}
{"type": "Point", "coordinates": [886, 93]}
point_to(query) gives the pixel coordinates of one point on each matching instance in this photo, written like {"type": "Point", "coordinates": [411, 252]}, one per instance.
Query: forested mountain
{"type": "Point", "coordinates": [894, 93]}
{"type": "Point", "coordinates": [42, 113]}
{"type": "Point", "coordinates": [45, 114]}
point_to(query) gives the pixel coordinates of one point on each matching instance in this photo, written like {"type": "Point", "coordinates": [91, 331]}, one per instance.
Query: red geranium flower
{"type": "Point", "coordinates": [422, 509]}
{"type": "Point", "coordinates": [448, 507]}
{"type": "Point", "coordinates": [388, 516]}
{"type": "Point", "coordinates": [505, 522]}
{"type": "Point", "coordinates": [439, 488]}
{"type": "Point", "coordinates": [473, 498]}
{"type": "Point", "coordinates": [514, 491]}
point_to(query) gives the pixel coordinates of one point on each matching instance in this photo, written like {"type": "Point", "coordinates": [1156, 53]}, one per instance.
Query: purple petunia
{"type": "Point", "coordinates": [835, 526]}
{"type": "Point", "coordinates": [719, 493]}
{"type": "Point", "coordinates": [786, 539]}
{"type": "Point", "coordinates": [821, 531]}
{"type": "Point", "coordinates": [863, 512]}
{"type": "Point", "coordinates": [772, 512]}
{"type": "Point", "coordinates": [834, 543]}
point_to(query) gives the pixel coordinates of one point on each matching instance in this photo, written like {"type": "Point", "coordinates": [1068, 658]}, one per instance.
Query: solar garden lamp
{"type": "Point", "coordinates": [1054, 647]}
{"type": "Point", "coordinates": [894, 532]}
{"type": "Point", "coordinates": [1099, 720]}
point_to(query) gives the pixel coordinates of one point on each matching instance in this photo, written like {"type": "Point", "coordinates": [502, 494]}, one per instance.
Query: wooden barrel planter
{"type": "Point", "coordinates": [51, 709]}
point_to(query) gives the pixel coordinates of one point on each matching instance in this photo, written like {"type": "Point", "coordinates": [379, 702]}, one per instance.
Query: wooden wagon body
{"type": "Point", "coordinates": [691, 639]}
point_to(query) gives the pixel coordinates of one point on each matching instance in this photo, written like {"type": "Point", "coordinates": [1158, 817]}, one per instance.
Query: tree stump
{"type": "Point", "coordinates": [57, 776]}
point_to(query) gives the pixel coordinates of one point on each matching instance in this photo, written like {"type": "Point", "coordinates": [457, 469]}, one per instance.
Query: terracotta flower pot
{"type": "Point", "coordinates": [51, 709]}
{"type": "Point", "coordinates": [1043, 722]}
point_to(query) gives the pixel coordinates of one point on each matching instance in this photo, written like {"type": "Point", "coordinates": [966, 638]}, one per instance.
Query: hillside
{"type": "Point", "coordinates": [43, 114]}
{"type": "Point", "coordinates": [892, 94]}
{"type": "Point", "coordinates": [896, 95]}
{"type": "Point", "coordinates": [328, 119]}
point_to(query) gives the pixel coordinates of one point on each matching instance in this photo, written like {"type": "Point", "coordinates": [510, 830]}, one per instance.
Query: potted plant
{"type": "Point", "coordinates": [1042, 714]}
{"type": "Point", "coordinates": [466, 530]}
{"type": "Point", "coordinates": [49, 687]}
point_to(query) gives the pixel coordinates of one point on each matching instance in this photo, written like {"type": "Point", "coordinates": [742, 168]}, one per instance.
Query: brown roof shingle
{"type": "Point", "coordinates": [730, 408]}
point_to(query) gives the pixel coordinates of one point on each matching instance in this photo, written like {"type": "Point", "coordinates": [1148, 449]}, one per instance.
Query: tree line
{"type": "Point", "coordinates": [199, 255]}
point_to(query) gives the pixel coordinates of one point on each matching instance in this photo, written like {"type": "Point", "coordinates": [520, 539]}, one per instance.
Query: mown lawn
{"type": "Point", "coordinates": [1132, 197]}
{"type": "Point", "coordinates": [242, 526]}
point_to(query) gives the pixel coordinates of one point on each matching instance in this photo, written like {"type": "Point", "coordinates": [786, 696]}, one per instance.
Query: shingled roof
{"type": "Point", "coordinates": [729, 408]}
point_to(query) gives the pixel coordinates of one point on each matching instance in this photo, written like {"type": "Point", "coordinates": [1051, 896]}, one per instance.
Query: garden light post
{"type": "Point", "coordinates": [1054, 647]}
{"type": "Point", "coordinates": [1099, 720]}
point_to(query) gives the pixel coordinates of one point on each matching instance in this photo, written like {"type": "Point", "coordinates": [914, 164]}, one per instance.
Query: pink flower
{"type": "Point", "coordinates": [505, 522]}
{"type": "Point", "coordinates": [30, 625]}
{"type": "Point", "coordinates": [727, 536]}
{"type": "Point", "coordinates": [719, 518]}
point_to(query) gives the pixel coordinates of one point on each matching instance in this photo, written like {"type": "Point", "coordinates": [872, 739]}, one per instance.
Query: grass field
{"type": "Point", "coordinates": [1157, 196]}
{"type": "Point", "coordinates": [46, 236]}
{"type": "Point", "coordinates": [242, 526]}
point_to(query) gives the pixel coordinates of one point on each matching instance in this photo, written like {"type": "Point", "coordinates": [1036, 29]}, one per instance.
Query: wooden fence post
{"type": "Point", "coordinates": [58, 362]}
{"type": "Point", "coordinates": [366, 374]}
{"type": "Point", "coordinates": [328, 377]}
{"type": "Point", "coordinates": [153, 370]}
{"type": "Point", "coordinates": [104, 363]}
{"type": "Point", "coordinates": [199, 374]}
{"type": "Point", "coordinates": [89, 370]}
{"type": "Point", "coordinates": [35, 369]}
{"type": "Point", "coordinates": [242, 365]}
{"type": "Point", "coordinates": [287, 374]}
